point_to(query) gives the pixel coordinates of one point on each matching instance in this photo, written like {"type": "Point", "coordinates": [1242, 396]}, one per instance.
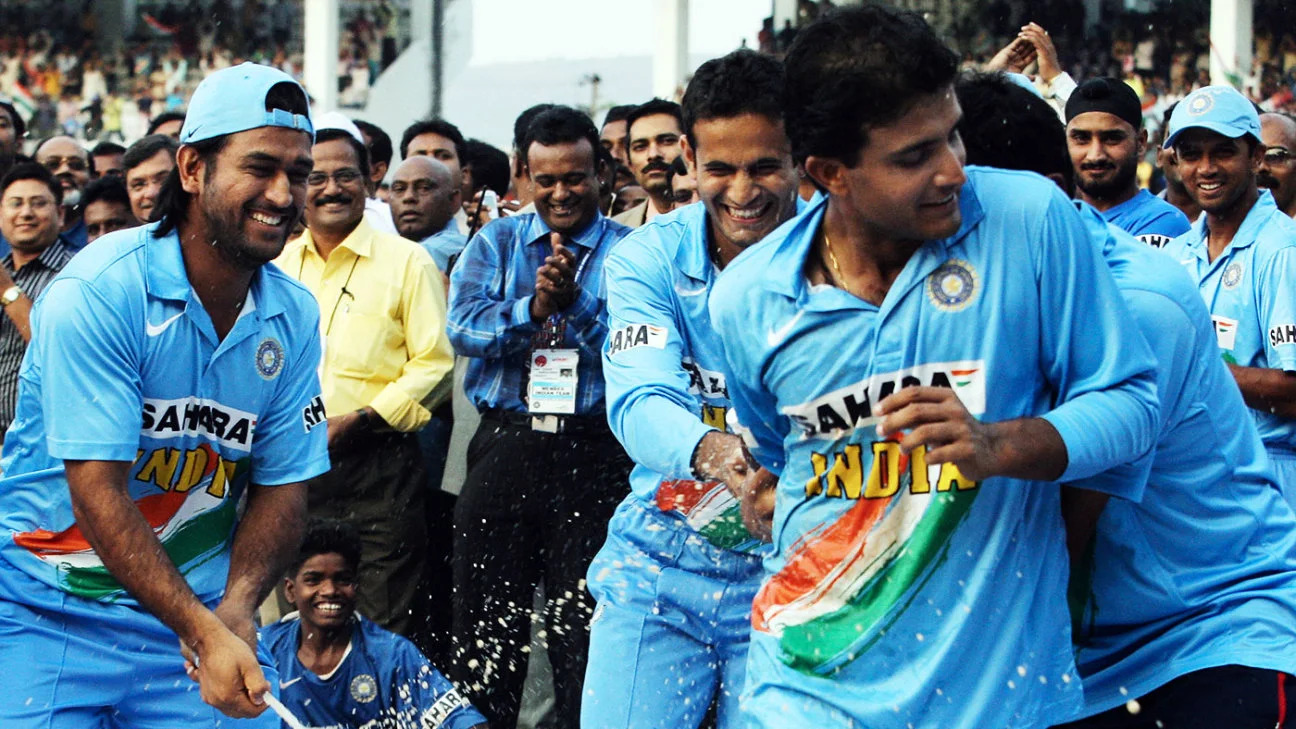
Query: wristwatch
{"type": "Point", "coordinates": [10, 295]}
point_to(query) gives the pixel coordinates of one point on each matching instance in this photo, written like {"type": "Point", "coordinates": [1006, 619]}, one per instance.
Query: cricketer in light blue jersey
{"type": "Point", "coordinates": [168, 416]}
{"type": "Point", "coordinates": [1192, 571]}
{"type": "Point", "coordinates": [889, 574]}
{"type": "Point", "coordinates": [676, 578]}
{"type": "Point", "coordinates": [1199, 569]}
{"type": "Point", "coordinates": [1242, 256]}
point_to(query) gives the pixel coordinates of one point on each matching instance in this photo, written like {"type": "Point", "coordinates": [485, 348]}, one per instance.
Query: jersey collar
{"type": "Point", "coordinates": [1256, 218]}
{"type": "Point", "coordinates": [165, 276]}
{"type": "Point", "coordinates": [788, 277]}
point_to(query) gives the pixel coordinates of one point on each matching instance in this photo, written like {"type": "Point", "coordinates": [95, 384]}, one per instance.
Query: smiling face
{"type": "Point", "coordinates": [335, 205]}
{"type": "Point", "coordinates": [566, 184]}
{"type": "Point", "coordinates": [70, 164]}
{"type": "Point", "coordinates": [905, 184]}
{"type": "Point", "coordinates": [251, 193]}
{"type": "Point", "coordinates": [324, 592]}
{"type": "Point", "coordinates": [1105, 151]}
{"type": "Point", "coordinates": [31, 219]}
{"type": "Point", "coordinates": [745, 177]}
{"type": "Point", "coordinates": [1218, 172]}
{"type": "Point", "coordinates": [144, 182]}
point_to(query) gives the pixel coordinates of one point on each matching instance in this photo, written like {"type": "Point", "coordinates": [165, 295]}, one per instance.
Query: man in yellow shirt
{"type": "Point", "coordinates": [382, 307]}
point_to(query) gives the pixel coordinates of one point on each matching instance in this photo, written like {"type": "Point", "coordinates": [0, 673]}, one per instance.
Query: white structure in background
{"type": "Point", "coordinates": [1231, 38]}
{"type": "Point", "coordinates": [670, 60]}
{"type": "Point", "coordinates": [320, 72]}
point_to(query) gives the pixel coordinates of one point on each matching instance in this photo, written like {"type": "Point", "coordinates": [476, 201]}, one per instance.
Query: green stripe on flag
{"type": "Point", "coordinates": [822, 645]}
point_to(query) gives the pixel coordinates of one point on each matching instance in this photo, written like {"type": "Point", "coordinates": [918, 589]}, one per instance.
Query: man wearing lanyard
{"type": "Point", "coordinates": [1242, 255]}
{"type": "Point", "coordinates": [544, 471]}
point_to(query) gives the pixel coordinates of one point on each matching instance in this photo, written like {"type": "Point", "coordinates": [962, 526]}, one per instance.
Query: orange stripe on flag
{"type": "Point", "coordinates": [157, 510]}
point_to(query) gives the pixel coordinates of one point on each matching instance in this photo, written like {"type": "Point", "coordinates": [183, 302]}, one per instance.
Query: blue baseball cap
{"type": "Point", "coordinates": [1221, 109]}
{"type": "Point", "coordinates": [233, 100]}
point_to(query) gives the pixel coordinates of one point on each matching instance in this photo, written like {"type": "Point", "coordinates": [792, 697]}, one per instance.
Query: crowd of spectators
{"type": "Point", "coordinates": [63, 81]}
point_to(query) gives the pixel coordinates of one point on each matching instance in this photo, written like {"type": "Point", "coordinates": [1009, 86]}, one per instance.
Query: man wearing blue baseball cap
{"type": "Point", "coordinates": [1242, 255]}
{"type": "Point", "coordinates": [167, 419]}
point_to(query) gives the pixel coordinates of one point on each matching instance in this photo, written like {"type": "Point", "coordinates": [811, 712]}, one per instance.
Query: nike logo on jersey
{"type": "Point", "coordinates": [155, 329]}
{"type": "Point", "coordinates": [285, 684]}
{"type": "Point", "coordinates": [776, 336]}
{"type": "Point", "coordinates": [682, 291]}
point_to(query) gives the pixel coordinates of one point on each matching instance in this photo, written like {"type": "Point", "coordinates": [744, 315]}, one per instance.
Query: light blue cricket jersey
{"type": "Point", "coordinates": [1201, 572]}
{"type": "Point", "coordinates": [1249, 292]}
{"type": "Point", "coordinates": [903, 594]}
{"type": "Point", "coordinates": [124, 365]}
{"type": "Point", "coordinates": [1148, 218]}
{"type": "Point", "coordinates": [664, 369]}
{"type": "Point", "coordinates": [382, 681]}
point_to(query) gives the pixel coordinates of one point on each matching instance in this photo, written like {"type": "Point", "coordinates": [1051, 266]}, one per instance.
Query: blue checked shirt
{"type": "Point", "coordinates": [490, 309]}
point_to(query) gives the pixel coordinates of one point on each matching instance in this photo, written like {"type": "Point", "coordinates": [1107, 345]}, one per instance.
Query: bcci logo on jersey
{"type": "Point", "coordinates": [952, 286]}
{"type": "Point", "coordinates": [842, 411]}
{"type": "Point", "coordinates": [1232, 275]}
{"type": "Point", "coordinates": [269, 358]}
{"type": "Point", "coordinates": [364, 688]}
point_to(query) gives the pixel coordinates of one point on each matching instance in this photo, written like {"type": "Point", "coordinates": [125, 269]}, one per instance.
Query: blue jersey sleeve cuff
{"type": "Point", "coordinates": [87, 451]}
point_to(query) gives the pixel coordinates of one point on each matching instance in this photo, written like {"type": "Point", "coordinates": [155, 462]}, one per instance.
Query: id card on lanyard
{"type": "Point", "coordinates": [553, 376]}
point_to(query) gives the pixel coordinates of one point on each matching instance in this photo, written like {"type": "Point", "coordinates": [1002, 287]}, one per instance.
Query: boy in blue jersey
{"type": "Point", "coordinates": [676, 578]}
{"type": "Point", "coordinates": [166, 424]}
{"type": "Point", "coordinates": [1242, 256]}
{"type": "Point", "coordinates": [1106, 139]}
{"type": "Point", "coordinates": [1194, 624]}
{"type": "Point", "coordinates": [917, 357]}
{"type": "Point", "coordinates": [340, 670]}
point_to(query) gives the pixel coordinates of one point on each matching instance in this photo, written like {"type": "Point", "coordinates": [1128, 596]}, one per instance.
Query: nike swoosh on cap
{"type": "Point", "coordinates": [155, 329]}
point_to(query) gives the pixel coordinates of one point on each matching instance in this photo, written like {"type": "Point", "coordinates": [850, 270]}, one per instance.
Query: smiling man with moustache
{"type": "Point", "coordinates": [382, 306]}
{"type": "Point", "coordinates": [1242, 256]}
{"type": "Point", "coordinates": [1106, 138]}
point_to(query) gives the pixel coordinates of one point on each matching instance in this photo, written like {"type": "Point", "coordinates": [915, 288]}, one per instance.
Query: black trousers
{"type": "Point", "coordinates": [1224, 697]}
{"type": "Point", "coordinates": [379, 487]}
{"type": "Point", "coordinates": [534, 505]}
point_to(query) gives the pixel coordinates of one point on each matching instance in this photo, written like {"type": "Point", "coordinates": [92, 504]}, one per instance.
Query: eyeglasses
{"type": "Point", "coordinates": [341, 177]}
{"type": "Point", "coordinates": [1277, 156]}
{"type": "Point", "coordinates": [76, 164]}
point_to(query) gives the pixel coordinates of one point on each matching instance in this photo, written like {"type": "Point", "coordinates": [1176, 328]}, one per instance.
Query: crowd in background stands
{"type": "Point", "coordinates": [1163, 55]}
{"type": "Point", "coordinates": [62, 81]}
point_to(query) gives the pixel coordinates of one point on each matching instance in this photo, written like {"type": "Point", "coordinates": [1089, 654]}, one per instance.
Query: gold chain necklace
{"type": "Point", "coordinates": [837, 272]}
